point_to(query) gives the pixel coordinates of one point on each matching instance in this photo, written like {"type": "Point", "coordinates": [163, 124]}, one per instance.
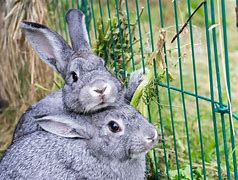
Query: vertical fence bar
{"type": "Point", "coordinates": [73, 3]}
{"type": "Point", "coordinates": [103, 28]}
{"type": "Point", "coordinates": [223, 8]}
{"type": "Point", "coordinates": [84, 8]}
{"type": "Point", "coordinates": [101, 14]}
{"type": "Point", "coordinates": [77, 2]}
{"type": "Point", "coordinates": [139, 29]}
{"type": "Point", "coordinates": [217, 71]}
{"type": "Point", "coordinates": [196, 91]}
{"type": "Point", "coordinates": [236, 11]}
{"type": "Point", "coordinates": [94, 21]}
{"type": "Point", "coordinates": [155, 74]}
{"type": "Point", "coordinates": [121, 40]}
{"type": "Point", "coordinates": [143, 66]}
{"type": "Point", "coordinates": [219, 88]}
{"type": "Point", "coordinates": [129, 31]}
{"type": "Point", "coordinates": [154, 155]}
{"type": "Point", "coordinates": [211, 90]}
{"type": "Point", "coordinates": [169, 93]}
{"type": "Point", "coordinates": [182, 93]}
{"type": "Point", "coordinates": [113, 42]}
{"type": "Point", "coordinates": [157, 94]}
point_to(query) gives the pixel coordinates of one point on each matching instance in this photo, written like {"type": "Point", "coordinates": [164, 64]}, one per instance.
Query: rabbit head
{"type": "Point", "coordinates": [88, 84]}
{"type": "Point", "coordinates": [122, 133]}
{"type": "Point", "coordinates": [119, 133]}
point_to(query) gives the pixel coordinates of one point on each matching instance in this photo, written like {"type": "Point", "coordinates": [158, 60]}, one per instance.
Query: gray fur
{"type": "Point", "coordinates": [82, 65]}
{"type": "Point", "coordinates": [107, 155]}
{"type": "Point", "coordinates": [49, 45]}
{"type": "Point", "coordinates": [89, 68]}
{"type": "Point", "coordinates": [77, 30]}
{"type": "Point", "coordinates": [74, 97]}
{"type": "Point", "coordinates": [50, 105]}
{"type": "Point", "coordinates": [95, 153]}
{"type": "Point", "coordinates": [56, 104]}
{"type": "Point", "coordinates": [135, 79]}
{"type": "Point", "coordinates": [82, 95]}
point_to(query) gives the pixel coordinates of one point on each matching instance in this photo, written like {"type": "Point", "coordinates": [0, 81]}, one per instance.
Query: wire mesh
{"type": "Point", "coordinates": [192, 112]}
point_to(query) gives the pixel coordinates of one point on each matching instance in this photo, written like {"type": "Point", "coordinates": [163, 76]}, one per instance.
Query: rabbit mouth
{"type": "Point", "coordinates": [137, 155]}
{"type": "Point", "coordinates": [138, 151]}
{"type": "Point", "coordinates": [100, 105]}
{"type": "Point", "coordinates": [106, 101]}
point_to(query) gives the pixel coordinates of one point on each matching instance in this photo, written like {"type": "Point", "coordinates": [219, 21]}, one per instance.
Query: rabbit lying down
{"type": "Point", "coordinates": [53, 104]}
{"type": "Point", "coordinates": [106, 145]}
{"type": "Point", "coordinates": [89, 134]}
{"type": "Point", "coordinates": [89, 86]}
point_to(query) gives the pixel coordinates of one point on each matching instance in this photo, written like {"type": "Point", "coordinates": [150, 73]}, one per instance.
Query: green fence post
{"type": "Point", "coordinates": [94, 21]}
{"type": "Point", "coordinates": [129, 31]}
{"type": "Point", "coordinates": [223, 8]}
{"type": "Point", "coordinates": [121, 40]}
{"type": "Point", "coordinates": [217, 105]}
{"type": "Point", "coordinates": [169, 93]}
{"type": "Point", "coordinates": [140, 35]}
{"type": "Point", "coordinates": [196, 91]}
{"type": "Point", "coordinates": [236, 9]}
{"type": "Point", "coordinates": [84, 8]}
{"type": "Point", "coordinates": [101, 14]}
{"type": "Point", "coordinates": [113, 43]}
{"type": "Point", "coordinates": [181, 86]}
{"type": "Point", "coordinates": [143, 67]}
{"type": "Point", "coordinates": [211, 90]}
{"type": "Point", "coordinates": [157, 95]}
{"type": "Point", "coordinates": [219, 88]}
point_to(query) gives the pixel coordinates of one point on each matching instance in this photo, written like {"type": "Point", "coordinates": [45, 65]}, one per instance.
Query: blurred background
{"type": "Point", "coordinates": [184, 106]}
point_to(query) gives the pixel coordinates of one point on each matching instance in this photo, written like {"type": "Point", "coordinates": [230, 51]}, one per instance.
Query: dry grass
{"type": "Point", "coordinates": [20, 66]}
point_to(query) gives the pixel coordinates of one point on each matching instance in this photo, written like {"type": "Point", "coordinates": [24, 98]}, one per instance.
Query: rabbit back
{"type": "Point", "coordinates": [36, 156]}
{"type": "Point", "coordinates": [42, 155]}
{"type": "Point", "coordinates": [51, 104]}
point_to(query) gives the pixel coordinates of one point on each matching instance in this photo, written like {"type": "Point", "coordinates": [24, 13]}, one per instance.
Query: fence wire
{"type": "Point", "coordinates": [194, 111]}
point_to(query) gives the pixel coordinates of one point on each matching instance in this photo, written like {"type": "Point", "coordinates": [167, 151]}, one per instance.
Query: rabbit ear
{"type": "Point", "coordinates": [135, 80]}
{"type": "Point", "coordinates": [49, 45]}
{"type": "Point", "coordinates": [77, 30]}
{"type": "Point", "coordinates": [63, 126]}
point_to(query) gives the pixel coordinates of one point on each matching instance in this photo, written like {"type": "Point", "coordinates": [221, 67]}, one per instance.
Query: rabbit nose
{"type": "Point", "coordinates": [152, 136]}
{"type": "Point", "coordinates": [100, 90]}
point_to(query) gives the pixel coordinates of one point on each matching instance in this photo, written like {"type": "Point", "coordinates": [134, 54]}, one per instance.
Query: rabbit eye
{"type": "Point", "coordinates": [114, 127]}
{"type": "Point", "coordinates": [74, 76]}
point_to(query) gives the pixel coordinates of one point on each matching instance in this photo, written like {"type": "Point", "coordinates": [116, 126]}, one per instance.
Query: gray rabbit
{"type": "Point", "coordinates": [88, 87]}
{"type": "Point", "coordinates": [74, 145]}
{"type": "Point", "coordinates": [106, 145]}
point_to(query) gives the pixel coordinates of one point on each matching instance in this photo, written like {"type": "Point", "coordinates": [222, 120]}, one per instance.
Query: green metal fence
{"type": "Point", "coordinates": [188, 97]}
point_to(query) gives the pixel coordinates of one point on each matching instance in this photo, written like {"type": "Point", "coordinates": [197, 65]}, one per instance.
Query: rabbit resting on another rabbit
{"type": "Point", "coordinates": [106, 145]}
{"type": "Point", "coordinates": [89, 86]}
{"type": "Point", "coordinates": [90, 132]}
